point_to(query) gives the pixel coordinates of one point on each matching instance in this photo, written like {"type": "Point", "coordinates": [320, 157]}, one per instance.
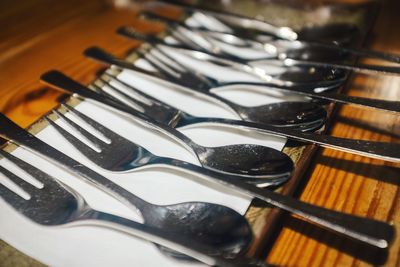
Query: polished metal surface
{"type": "Point", "coordinates": [59, 205]}
{"type": "Point", "coordinates": [380, 150]}
{"type": "Point", "coordinates": [298, 115]}
{"type": "Point", "coordinates": [240, 21]}
{"type": "Point", "coordinates": [304, 116]}
{"type": "Point", "coordinates": [227, 231]}
{"type": "Point", "coordinates": [121, 155]}
{"type": "Point", "coordinates": [205, 83]}
{"type": "Point", "coordinates": [241, 26]}
{"type": "Point", "coordinates": [290, 75]}
{"type": "Point", "coordinates": [370, 231]}
{"type": "Point", "coordinates": [300, 53]}
{"type": "Point", "coordinates": [208, 156]}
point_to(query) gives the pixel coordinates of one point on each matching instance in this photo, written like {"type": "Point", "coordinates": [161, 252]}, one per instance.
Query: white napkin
{"type": "Point", "coordinates": [95, 246]}
{"type": "Point", "coordinates": [86, 246]}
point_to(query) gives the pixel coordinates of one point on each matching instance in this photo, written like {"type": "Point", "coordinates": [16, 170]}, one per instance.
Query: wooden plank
{"type": "Point", "coordinates": [56, 39]}
{"type": "Point", "coordinates": [349, 183]}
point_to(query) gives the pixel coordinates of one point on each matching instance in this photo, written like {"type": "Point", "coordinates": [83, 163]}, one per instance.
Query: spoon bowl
{"type": "Point", "coordinates": [217, 226]}
{"type": "Point", "coordinates": [302, 115]}
{"type": "Point", "coordinates": [249, 160]}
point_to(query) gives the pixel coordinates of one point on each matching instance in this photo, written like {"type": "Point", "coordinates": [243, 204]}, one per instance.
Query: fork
{"type": "Point", "coordinates": [121, 155]}
{"type": "Point", "coordinates": [246, 65]}
{"type": "Point", "coordinates": [366, 230]}
{"type": "Point", "coordinates": [210, 40]}
{"type": "Point", "coordinates": [186, 75]}
{"type": "Point", "coordinates": [176, 118]}
{"type": "Point", "coordinates": [246, 23]}
{"type": "Point", "coordinates": [242, 26]}
{"type": "Point", "coordinates": [57, 204]}
{"type": "Point", "coordinates": [381, 150]}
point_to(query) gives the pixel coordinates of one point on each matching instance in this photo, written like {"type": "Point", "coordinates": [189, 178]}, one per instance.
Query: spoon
{"type": "Point", "coordinates": [224, 229]}
{"type": "Point", "coordinates": [370, 231]}
{"type": "Point", "coordinates": [213, 42]}
{"type": "Point", "coordinates": [246, 26]}
{"type": "Point", "coordinates": [203, 83]}
{"type": "Point", "coordinates": [304, 116]}
{"type": "Point", "coordinates": [239, 160]}
{"type": "Point", "coordinates": [122, 155]}
{"type": "Point", "coordinates": [301, 53]}
{"type": "Point", "coordinates": [381, 150]}
{"type": "Point", "coordinates": [284, 114]}
{"type": "Point", "coordinates": [279, 72]}
{"type": "Point", "coordinates": [241, 22]}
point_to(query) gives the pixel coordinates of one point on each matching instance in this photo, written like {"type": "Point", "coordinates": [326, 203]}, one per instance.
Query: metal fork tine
{"type": "Point", "coordinates": [97, 126]}
{"type": "Point", "coordinates": [193, 74]}
{"type": "Point", "coordinates": [177, 34]}
{"type": "Point", "coordinates": [26, 167]}
{"type": "Point", "coordinates": [160, 66]}
{"type": "Point", "coordinates": [89, 136]}
{"type": "Point", "coordinates": [27, 187]}
{"type": "Point", "coordinates": [151, 106]}
{"type": "Point", "coordinates": [166, 59]}
{"type": "Point", "coordinates": [145, 96]}
{"type": "Point", "coordinates": [11, 197]}
{"type": "Point", "coordinates": [82, 147]}
{"type": "Point", "coordinates": [141, 106]}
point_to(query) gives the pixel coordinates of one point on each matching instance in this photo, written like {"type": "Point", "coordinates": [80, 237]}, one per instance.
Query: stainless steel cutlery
{"type": "Point", "coordinates": [272, 60]}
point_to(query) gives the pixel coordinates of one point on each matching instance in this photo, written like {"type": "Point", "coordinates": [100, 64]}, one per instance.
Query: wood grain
{"type": "Point", "coordinates": [42, 35]}
{"type": "Point", "coordinates": [349, 183]}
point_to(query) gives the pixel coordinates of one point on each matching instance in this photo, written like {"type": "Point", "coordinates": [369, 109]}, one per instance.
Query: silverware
{"type": "Point", "coordinates": [380, 150]}
{"type": "Point", "coordinates": [214, 158]}
{"type": "Point", "coordinates": [246, 26]}
{"type": "Point", "coordinates": [192, 78]}
{"type": "Point", "coordinates": [304, 116]}
{"type": "Point", "coordinates": [299, 115]}
{"type": "Point", "coordinates": [370, 231]}
{"type": "Point", "coordinates": [227, 231]}
{"type": "Point", "coordinates": [240, 21]}
{"type": "Point", "coordinates": [56, 204]}
{"type": "Point", "coordinates": [290, 74]}
{"type": "Point", "coordinates": [121, 155]}
{"type": "Point", "coordinates": [296, 53]}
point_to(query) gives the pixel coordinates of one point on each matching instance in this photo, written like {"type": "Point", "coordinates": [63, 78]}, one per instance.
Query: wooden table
{"type": "Point", "coordinates": [39, 35]}
{"type": "Point", "coordinates": [349, 183]}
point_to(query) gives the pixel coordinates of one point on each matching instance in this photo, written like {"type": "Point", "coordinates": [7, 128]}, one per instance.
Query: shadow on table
{"type": "Point", "coordinates": [361, 251]}
{"type": "Point", "coordinates": [383, 173]}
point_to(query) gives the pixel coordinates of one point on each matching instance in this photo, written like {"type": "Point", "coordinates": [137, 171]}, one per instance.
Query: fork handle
{"type": "Point", "coordinates": [370, 231]}
{"type": "Point", "coordinates": [10, 131]}
{"type": "Point", "coordinates": [164, 238]}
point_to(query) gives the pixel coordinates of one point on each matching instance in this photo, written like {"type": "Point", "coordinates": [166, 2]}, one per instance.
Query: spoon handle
{"type": "Point", "coordinates": [11, 131]}
{"type": "Point", "coordinates": [246, 23]}
{"type": "Point", "coordinates": [370, 231]}
{"type": "Point", "coordinates": [379, 150]}
{"type": "Point", "coordinates": [380, 104]}
{"type": "Point", "coordinates": [358, 51]}
{"type": "Point", "coordinates": [375, 233]}
{"type": "Point", "coordinates": [282, 32]}
{"type": "Point", "coordinates": [64, 83]}
{"type": "Point", "coordinates": [164, 238]}
{"type": "Point", "coordinates": [363, 68]}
